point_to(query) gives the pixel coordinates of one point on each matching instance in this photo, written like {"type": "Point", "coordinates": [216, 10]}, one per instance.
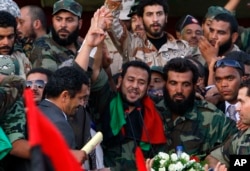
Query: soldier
{"type": "Point", "coordinates": [155, 48]}
{"type": "Point", "coordinates": [61, 45]}
{"type": "Point", "coordinates": [31, 25]}
{"type": "Point", "coordinates": [11, 88]}
{"type": "Point", "coordinates": [8, 34]}
{"type": "Point", "coordinates": [239, 143]}
{"type": "Point", "coordinates": [196, 125]}
{"type": "Point", "coordinates": [13, 122]}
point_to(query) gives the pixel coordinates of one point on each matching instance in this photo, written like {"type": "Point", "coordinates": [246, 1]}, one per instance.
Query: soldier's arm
{"type": "Point", "coordinates": [11, 87]}
{"type": "Point", "coordinates": [232, 5]}
{"type": "Point", "coordinates": [14, 126]}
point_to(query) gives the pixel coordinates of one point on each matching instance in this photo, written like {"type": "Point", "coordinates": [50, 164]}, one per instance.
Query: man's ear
{"type": "Point", "coordinates": [80, 24]}
{"type": "Point", "coordinates": [119, 82]}
{"type": "Point", "coordinates": [235, 37]}
{"type": "Point", "coordinates": [64, 96]}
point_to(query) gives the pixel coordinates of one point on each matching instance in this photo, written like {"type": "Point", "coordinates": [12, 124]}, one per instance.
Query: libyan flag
{"type": "Point", "coordinates": [49, 151]}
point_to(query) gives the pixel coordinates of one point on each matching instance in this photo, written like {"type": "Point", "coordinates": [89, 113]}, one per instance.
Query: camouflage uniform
{"type": "Point", "coordinates": [11, 88]}
{"type": "Point", "coordinates": [239, 144]}
{"type": "Point", "coordinates": [11, 7]}
{"type": "Point", "coordinates": [118, 150]}
{"type": "Point", "coordinates": [48, 54]}
{"type": "Point", "coordinates": [244, 39]}
{"type": "Point", "coordinates": [15, 64]}
{"type": "Point", "coordinates": [137, 48]}
{"type": "Point", "coordinates": [199, 130]}
{"type": "Point", "coordinates": [25, 46]}
{"type": "Point", "coordinates": [14, 122]}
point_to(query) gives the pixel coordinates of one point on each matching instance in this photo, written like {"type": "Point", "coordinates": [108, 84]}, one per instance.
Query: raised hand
{"type": "Point", "coordinates": [100, 22]}
{"type": "Point", "coordinates": [208, 51]}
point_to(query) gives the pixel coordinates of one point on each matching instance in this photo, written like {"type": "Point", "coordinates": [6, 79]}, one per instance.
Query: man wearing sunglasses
{"type": "Point", "coordinates": [36, 81]}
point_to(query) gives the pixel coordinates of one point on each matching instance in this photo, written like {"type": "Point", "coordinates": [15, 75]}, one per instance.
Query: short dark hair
{"type": "Point", "coordinates": [229, 19]}
{"type": "Point", "coordinates": [181, 65]}
{"type": "Point", "coordinates": [246, 84]}
{"type": "Point", "coordinates": [137, 64]}
{"type": "Point", "coordinates": [7, 20]}
{"type": "Point", "coordinates": [144, 3]}
{"type": "Point", "coordinates": [66, 78]}
{"type": "Point", "coordinates": [44, 71]}
{"type": "Point", "coordinates": [240, 56]}
{"type": "Point", "coordinates": [37, 13]}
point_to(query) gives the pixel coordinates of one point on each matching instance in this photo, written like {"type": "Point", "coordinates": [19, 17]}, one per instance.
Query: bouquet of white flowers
{"type": "Point", "coordinates": [171, 162]}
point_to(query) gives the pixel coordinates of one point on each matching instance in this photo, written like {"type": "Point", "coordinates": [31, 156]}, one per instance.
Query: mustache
{"type": "Point", "coordinates": [178, 94]}
{"type": "Point", "coordinates": [5, 47]}
{"type": "Point", "coordinates": [63, 30]}
{"type": "Point", "coordinates": [155, 24]}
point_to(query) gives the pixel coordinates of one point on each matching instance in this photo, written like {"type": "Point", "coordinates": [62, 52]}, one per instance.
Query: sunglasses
{"type": "Point", "coordinates": [227, 62]}
{"type": "Point", "coordinates": [37, 83]}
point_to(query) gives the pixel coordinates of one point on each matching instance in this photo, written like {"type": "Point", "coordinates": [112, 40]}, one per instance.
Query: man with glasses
{"type": "Point", "coordinates": [36, 80]}
{"type": "Point", "coordinates": [228, 75]}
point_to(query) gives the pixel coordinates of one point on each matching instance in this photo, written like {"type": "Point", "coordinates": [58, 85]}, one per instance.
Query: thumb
{"type": "Point", "coordinates": [217, 44]}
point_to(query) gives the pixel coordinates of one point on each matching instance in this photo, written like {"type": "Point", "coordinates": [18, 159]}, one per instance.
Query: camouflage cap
{"type": "Point", "coordinates": [215, 10]}
{"type": "Point", "coordinates": [11, 7]}
{"type": "Point", "coordinates": [7, 66]}
{"type": "Point", "coordinates": [158, 69]}
{"type": "Point", "coordinates": [133, 9]}
{"type": "Point", "coordinates": [68, 5]}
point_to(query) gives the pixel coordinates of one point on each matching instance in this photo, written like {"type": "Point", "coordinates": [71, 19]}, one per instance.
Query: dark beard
{"type": "Point", "coordinates": [124, 99]}
{"type": "Point", "coordinates": [154, 34]}
{"type": "Point", "coordinates": [225, 47]}
{"type": "Point", "coordinates": [179, 107]}
{"type": "Point", "coordinates": [72, 38]}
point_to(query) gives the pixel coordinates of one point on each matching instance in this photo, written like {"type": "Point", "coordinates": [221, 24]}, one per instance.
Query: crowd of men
{"type": "Point", "coordinates": [142, 87]}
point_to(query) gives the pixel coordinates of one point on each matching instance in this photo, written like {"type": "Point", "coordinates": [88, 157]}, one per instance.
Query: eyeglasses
{"type": "Point", "coordinates": [37, 83]}
{"type": "Point", "coordinates": [227, 62]}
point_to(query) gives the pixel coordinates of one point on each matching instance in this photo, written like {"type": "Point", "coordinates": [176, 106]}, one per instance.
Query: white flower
{"type": "Point", "coordinates": [185, 156]}
{"type": "Point", "coordinates": [174, 157]}
{"type": "Point", "coordinates": [171, 167]}
{"type": "Point", "coordinates": [162, 169]}
{"type": "Point", "coordinates": [166, 162]}
{"type": "Point", "coordinates": [179, 166]}
{"type": "Point", "coordinates": [162, 162]}
{"type": "Point", "coordinates": [164, 156]}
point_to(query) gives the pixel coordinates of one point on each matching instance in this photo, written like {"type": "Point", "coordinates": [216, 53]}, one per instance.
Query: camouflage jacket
{"type": "Point", "coordinates": [137, 48]}
{"type": "Point", "coordinates": [48, 54]}
{"type": "Point", "coordinates": [119, 149]}
{"type": "Point", "coordinates": [199, 130]}
{"type": "Point", "coordinates": [239, 144]}
{"type": "Point", "coordinates": [11, 88]}
{"type": "Point", "coordinates": [14, 121]}
{"type": "Point", "coordinates": [15, 64]}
